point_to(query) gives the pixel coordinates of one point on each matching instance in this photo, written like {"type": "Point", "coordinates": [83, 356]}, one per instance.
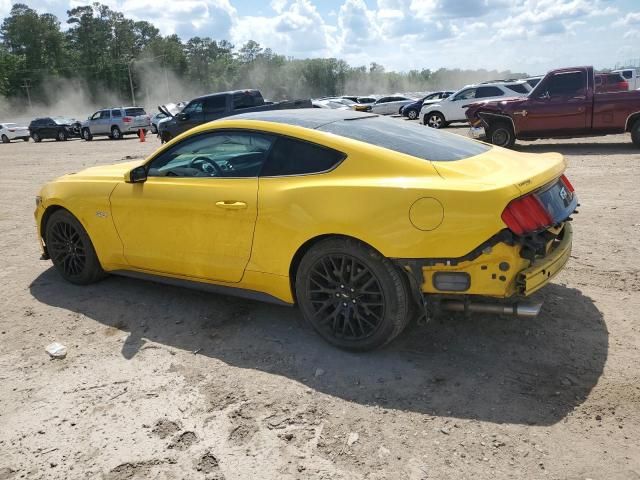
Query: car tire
{"type": "Point", "coordinates": [501, 134]}
{"type": "Point", "coordinates": [166, 137]}
{"type": "Point", "coordinates": [116, 134]}
{"type": "Point", "coordinates": [61, 136]}
{"type": "Point", "coordinates": [86, 134]}
{"type": "Point", "coordinates": [36, 137]}
{"type": "Point", "coordinates": [635, 133]}
{"type": "Point", "coordinates": [357, 312]}
{"type": "Point", "coordinates": [435, 120]}
{"type": "Point", "coordinates": [25, 139]}
{"type": "Point", "coordinates": [71, 250]}
{"type": "Point", "coordinates": [5, 139]}
{"type": "Point", "coordinates": [412, 114]}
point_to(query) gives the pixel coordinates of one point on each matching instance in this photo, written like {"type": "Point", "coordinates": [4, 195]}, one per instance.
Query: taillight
{"type": "Point", "coordinates": [567, 183]}
{"type": "Point", "coordinates": [525, 215]}
{"type": "Point", "coordinates": [624, 85]}
{"type": "Point", "coordinates": [127, 119]}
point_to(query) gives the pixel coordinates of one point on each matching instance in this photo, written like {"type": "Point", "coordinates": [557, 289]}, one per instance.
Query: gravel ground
{"type": "Point", "coordinates": [166, 383]}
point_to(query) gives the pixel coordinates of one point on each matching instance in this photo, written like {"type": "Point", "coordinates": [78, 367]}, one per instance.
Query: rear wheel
{"type": "Point", "coordinates": [71, 250]}
{"type": "Point", "coordinates": [635, 133]}
{"type": "Point", "coordinates": [435, 120]}
{"type": "Point", "coordinates": [412, 114]}
{"type": "Point", "coordinates": [501, 134]}
{"type": "Point", "coordinates": [5, 139]}
{"type": "Point", "coordinates": [25, 139]}
{"type": "Point", "coordinates": [116, 134]}
{"type": "Point", "coordinates": [61, 136]}
{"type": "Point", "coordinates": [36, 137]}
{"type": "Point", "coordinates": [353, 297]}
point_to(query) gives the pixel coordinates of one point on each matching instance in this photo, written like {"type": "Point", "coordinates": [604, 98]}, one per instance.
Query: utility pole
{"type": "Point", "coordinates": [133, 95]}
{"type": "Point", "coordinates": [27, 85]}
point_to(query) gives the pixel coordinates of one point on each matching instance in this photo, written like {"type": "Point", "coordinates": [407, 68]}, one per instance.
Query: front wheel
{"type": "Point", "coordinates": [25, 139]}
{"type": "Point", "coordinates": [412, 114]}
{"type": "Point", "coordinates": [86, 134]}
{"type": "Point", "coordinates": [635, 133]}
{"type": "Point", "coordinates": [5, 139]}
{"type": "Point", "coordinates": [435, 120]}
{"type": "Point", "coordinates": [61, 136]}
{"type": "Point", "coordinates": [71, 250]}
{"type": "Point", "coordinates": [36, 138]}
{"type": "Point", "coordinates": [501, 134]}
{"type": "Point", "coordinates": [353, 297]}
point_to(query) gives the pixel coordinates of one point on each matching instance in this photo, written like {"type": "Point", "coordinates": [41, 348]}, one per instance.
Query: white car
{"type": "Point", "coordinates": [452, 108]}
{"type": "Point", "coordinates": [631, 75]}
{"type": "Point", "coordinates": [12, 131]}
{"type": "Point", "coordinates": [390, 104]}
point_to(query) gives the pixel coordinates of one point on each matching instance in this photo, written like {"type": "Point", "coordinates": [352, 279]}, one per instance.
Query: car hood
{"type": "Point", "coordinates": [114, 171]}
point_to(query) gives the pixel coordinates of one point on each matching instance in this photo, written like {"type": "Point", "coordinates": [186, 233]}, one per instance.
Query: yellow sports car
{"type": "Point", "coordinates": [364, 222]}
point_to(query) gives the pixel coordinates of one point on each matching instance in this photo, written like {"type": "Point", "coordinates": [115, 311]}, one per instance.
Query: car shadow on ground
{"type": "Point", "coordinates": [485, 368]}
{"type": "Point", "coordinates": [613, 148]}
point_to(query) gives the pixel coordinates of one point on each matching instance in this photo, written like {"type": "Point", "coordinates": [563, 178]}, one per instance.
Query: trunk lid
{"type": "Point", "coordinates": [500, 167]}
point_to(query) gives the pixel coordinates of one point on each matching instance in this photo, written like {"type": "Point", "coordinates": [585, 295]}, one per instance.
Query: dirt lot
{"type": "Point", "coordinates": [166, 383]}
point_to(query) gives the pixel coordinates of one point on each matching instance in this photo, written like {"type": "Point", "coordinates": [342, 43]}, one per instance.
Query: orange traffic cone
{"type": "Point", "coordinates": [141, 134]}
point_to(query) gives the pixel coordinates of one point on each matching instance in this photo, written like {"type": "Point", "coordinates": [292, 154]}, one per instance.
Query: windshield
{"type": "Point", "coordinates": [9, 125]}
{"type": "Point", "coordinates": [402, 137]}
{"type": "Point", "coordinates": [63, 120]}
{"type": "Point", "coordinates": [134, 112]}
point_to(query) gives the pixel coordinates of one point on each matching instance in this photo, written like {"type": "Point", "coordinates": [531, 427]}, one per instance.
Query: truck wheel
{"type": "Point", "coordinates": [635, 133]}
{"type": "Point", "coordinates": [501, 134]}
{"type": "Point", "coordinates": [435, 120]}
{"type": "Point", "coordinates": [86, 134]}
{"type": "Point", "coordinates": [355, 298]}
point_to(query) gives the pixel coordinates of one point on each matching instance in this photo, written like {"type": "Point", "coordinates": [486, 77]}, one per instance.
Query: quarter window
{"type": "Point", "coordinates": [219, 154]}
{"type": "Point", "coordinates": [295, 157]}
{"type": "Point", "coordinates": [627, 74]}
{"type": "Point", "coordinates": [518, 88]}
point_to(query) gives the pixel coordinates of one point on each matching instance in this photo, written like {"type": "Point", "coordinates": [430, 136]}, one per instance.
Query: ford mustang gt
{"type": "Point", "coordinates": [364, 222]}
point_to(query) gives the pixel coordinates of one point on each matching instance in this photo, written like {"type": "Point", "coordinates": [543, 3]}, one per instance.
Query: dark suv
{"type": "Point", "coordinates": [59, 128]}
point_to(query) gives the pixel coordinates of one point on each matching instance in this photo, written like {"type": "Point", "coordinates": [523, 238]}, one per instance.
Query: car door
{"type": "Point", "coordinates": [50, 128]}
{"type": "Point", "coordinates": [455, 108]}
{"type": "Point", "coordinates": [380, 106]}
{"type": "Point", "coordinates": [194, 216]}
{"type": "Point", "coordinates": [94, 123]}
{"type": "Point", "coordinates": [559, 103]}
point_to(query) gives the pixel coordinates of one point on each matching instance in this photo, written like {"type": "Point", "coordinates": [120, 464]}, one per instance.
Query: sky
{"type": "Point", "coordinates": [530, 36]}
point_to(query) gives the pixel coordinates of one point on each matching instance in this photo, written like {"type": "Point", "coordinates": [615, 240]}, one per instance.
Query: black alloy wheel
{"type": "Point", "coordinates": [351, 295]}
{"type": "Point", "coordinates": [71, 250]}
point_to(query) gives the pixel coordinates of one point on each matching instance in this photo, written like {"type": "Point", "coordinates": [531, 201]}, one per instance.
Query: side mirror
{"type": "Point", "coordinates": [137, 175]}
{"type": "Point", "coordinates": [545, 95]}
{"type": "Point", "coordinates": [182, 116]}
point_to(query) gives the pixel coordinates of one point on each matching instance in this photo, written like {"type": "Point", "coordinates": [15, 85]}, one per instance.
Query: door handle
{"type": "Point", "coordinates": [231, 204]}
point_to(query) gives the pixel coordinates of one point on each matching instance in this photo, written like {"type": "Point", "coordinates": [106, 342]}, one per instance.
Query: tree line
{"type": "Point", "coordinates": [108, 52]}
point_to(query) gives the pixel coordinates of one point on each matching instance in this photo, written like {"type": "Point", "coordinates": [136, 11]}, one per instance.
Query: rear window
{"type": "Point", "coordinates": [518, 88]}
{"type": "Point", "coordinates": [417, 141]}
{"type": "Point", "coordinates": [134, 112]}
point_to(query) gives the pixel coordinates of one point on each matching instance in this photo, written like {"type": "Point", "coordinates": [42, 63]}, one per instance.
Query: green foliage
{"type": "Point", "coordinates": [101, 49]}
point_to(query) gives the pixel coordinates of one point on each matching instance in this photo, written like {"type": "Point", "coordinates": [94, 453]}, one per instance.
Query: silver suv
{"type": "Point", "coordinates": [115, 122]}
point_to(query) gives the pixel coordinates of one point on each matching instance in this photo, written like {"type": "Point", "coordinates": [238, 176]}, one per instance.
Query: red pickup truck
{"type": "Point", "coordinates": [563, 105]}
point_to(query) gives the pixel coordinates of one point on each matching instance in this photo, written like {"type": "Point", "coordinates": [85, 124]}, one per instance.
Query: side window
{"type": "Point", "coordinates": [116, 113]}
{"type": "Point", "coordinates": [95, 116]}
{"type": "Point", "coordinates": [567, 84]}
{"type": "Point", "coordinates": [431, 97]}
{"type": "Point", "coordinates": [217, 104]}
{"type": "Point", "coordinates": [487, 92]}
{"type": "Point", "coordinates": [243, 100]}
{"type": "Point", "coordinates": [383, 100]}
{"type": "Point", "coordinates": [467, 94]}
{"type": "Point", "coordinates": [628, 74]}
{"type": "Point", "coordinates": [105, 114]}
{"type": "Point", "coordinates": [445, 95]}
{"type": "Point", "coordinates": [296, 157]}
{"type": "Point", "coordinates": [217, 154]}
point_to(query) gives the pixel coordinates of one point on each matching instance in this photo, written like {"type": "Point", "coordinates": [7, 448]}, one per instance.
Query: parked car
{"type": "Point", "coordinates": [533, 81]}
{"type": "Point", "coordinates": [563, 104]}
{"type": "Point", "coordinates": [610, 82]}
{"type": "Point", "coordinates": [326, 209]}
{"type": "Point", "coordinates": [631, 76]}
{"type": "Point", "coordinates": [389, 105]}
{"type": "Point", "coordinates": [58, 128]}
{"type": "Point", "coordinates": [412, 110]}
{"type": "Point", "coordinates": [218, 105]}
{"type": "Point", "coordinates": [155, 119]}
{"type": "Point", "coordinates": [115, 122]}
{"type": "Point", "coordinates": [452, 108]}
{"type": "Point", "coordinates": [364, 103]}
{"type": "Point", "coordinates": [13, 131]}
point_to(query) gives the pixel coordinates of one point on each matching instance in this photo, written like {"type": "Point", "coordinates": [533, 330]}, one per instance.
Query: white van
{"type": "Point", "coordinates": [631, 75]}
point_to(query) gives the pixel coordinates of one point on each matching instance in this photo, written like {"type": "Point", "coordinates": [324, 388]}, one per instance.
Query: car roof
{"type": "Point", "coordinates": [229, 92]}
{"type": "Point", "coordinates": [304, 117]}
